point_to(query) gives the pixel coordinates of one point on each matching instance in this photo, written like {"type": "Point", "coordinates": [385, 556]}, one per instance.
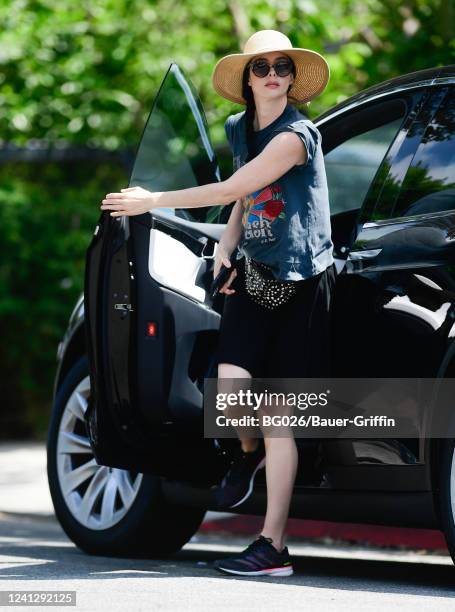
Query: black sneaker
{"type": "Point", "coordinates": [237, 485]}
{"type": "Point", "coordinates": [258, 559]}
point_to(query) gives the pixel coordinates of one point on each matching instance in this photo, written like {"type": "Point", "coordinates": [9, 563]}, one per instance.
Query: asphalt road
{"type": "Point", "coordinates": [35, 554]}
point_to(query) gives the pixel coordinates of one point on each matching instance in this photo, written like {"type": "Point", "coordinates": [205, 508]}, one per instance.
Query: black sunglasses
{"type": "Point", "coordinates": [261, 68]}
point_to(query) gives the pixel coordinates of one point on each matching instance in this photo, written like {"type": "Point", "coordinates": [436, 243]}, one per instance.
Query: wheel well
{"type": "Point", "coordinates": [75, 349]}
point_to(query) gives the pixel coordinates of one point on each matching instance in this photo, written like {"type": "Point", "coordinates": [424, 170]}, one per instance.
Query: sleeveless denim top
{"type": "Point", "coordinates": [286, 225]}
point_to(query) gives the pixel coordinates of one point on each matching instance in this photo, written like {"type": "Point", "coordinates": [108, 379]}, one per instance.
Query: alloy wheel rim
{"type": "Point", "coordinates": [97, 496]}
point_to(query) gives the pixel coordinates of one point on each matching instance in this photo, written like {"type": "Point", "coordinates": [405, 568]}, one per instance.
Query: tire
{"type": "Point", "coordinates": [445, 493]}
{"type": "Point", "coordinates": [136, 520]}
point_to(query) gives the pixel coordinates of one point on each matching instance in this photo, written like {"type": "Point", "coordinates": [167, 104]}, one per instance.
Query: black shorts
{"type": "Point", "coordinates": [291, 341]}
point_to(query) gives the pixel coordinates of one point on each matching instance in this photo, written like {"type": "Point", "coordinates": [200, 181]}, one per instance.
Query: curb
{"type": "Point", "coordinates": [326, 531]}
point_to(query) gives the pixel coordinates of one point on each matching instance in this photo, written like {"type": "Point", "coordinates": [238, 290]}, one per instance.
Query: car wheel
{"type": "Point", "coordinates": [445, 493]}
{"type": "Point", "coordinates": [104, 510]}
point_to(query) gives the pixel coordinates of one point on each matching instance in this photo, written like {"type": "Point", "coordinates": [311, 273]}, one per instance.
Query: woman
{"type": "Point", "coordinates": [278, 295]}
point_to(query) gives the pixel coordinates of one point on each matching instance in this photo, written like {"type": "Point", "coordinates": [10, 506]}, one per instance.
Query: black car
{"type": "Point", "coordinates": [130, 471]}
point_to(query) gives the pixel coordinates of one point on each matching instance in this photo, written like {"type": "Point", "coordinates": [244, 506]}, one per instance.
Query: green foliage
{"type": "Point", "coordinates": [47, 216]}
{"type": "Point", "coordinates": [87, 72]}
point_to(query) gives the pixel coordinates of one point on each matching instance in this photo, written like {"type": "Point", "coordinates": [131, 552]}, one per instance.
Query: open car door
{"type": "Point", "coordinates": [151, 328]}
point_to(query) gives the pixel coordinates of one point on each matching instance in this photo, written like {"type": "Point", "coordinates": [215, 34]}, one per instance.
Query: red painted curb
{"type": "Point", "coordinates": [430, 539]}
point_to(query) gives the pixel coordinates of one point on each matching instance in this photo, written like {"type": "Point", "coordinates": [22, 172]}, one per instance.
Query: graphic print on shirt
{"type": "Point", "coordinates": [261, 210]}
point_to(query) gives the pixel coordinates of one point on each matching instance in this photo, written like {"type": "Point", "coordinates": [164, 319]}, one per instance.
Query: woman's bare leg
{"type": "Point", "coordinates": [229, 370]}
{"type": "Point", "coordinates": [281, 469]}
{"type": "Point", "coordinates": [281, 465]}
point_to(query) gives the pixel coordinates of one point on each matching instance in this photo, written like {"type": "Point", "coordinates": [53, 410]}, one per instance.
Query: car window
{"type": "Point", "coordinates": [352, 165]}
{"type": "Point", "coordinates": [175, 151]}
{"type": "Point", "coordinates": [429, 184]}
{"type": "Point", "coordinates": [356, 143]}
{"type": "Point", "coordinates": [399, 160]}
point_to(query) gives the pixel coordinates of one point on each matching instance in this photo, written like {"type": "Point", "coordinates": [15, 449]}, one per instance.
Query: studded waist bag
{"type": "Point", "coordinates": [264, 288]}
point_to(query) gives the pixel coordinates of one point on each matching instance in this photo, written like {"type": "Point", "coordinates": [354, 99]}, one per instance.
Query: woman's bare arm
{"type": "Point", "coordinates": [283, 152]}
{"type": "Point", "coordinates": [233, 232]}
{"type": "Point", "coordinates": [228, 241]}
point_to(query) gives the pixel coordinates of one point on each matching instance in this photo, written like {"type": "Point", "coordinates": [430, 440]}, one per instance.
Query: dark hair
{"type": "Point", "coordinates": [248, 95]}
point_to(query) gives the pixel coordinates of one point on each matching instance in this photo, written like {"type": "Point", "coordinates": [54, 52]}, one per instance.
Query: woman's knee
{"type": "Point", "coordinates": [233, 379]}
{"type": "Point", "coordinates": [230, 370]}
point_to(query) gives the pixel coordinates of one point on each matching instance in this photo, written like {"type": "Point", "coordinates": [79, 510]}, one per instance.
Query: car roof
{"type": "Point", "coordinates": [428, 76]}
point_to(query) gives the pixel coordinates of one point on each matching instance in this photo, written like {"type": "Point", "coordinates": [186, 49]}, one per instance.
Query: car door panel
{"type": "Point", "coordinates": [397, 294]}
{"type": "Point", "coordinates": [147, 281]}
{"type": "Point", "coordinates": [359, 325]}
{"type": "Point", "coordinates": [390, 252]}
{"type": "Point", "coordinates": [419, 241]}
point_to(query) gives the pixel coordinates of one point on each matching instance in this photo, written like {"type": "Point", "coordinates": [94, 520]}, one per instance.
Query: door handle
{"type": "Point", "coordinates": [367, 254]}
{"type": "Point", "coordinates": [124, 307]}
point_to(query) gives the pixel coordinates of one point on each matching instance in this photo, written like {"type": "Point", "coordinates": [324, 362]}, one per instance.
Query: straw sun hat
{"type": "Point", "coordinates": [312, 70]}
